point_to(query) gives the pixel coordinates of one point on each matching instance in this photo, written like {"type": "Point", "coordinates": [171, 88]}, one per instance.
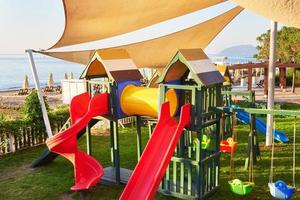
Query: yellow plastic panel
{"type": "Point", "coordinates": [144, 101]}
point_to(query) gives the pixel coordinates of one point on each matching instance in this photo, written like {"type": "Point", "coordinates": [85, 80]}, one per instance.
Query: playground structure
{"type": "Point", "coordinates": [199, 145]}
{"type": "Point", "coordinates": [199, 83]}
{"type": "Point", "coordinates": [186, 162]}
{"type": "Point", "coordinates": [82, 110]}
{"type": "Point", "coordinates": [224, 70]}
{"type": "Point", "coordinates": [279, 189]}
{"type": "Point", "coordinates": [189, 78]}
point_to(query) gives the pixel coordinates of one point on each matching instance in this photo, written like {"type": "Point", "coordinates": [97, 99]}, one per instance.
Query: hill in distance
{"type": "Point", "coordinates": [239, 51]}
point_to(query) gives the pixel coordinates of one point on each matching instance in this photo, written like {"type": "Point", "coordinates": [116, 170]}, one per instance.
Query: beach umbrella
{"type": "Point", "coordinates": [71, 75]}
{"type": "Point", "coordinates": [25, 84]}
{"type": "Point", "coordinates": [50, 81]}
{"type": "Point", "coordinates": [66, 76]}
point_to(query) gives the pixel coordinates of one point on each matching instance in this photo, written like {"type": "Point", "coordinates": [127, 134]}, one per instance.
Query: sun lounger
{"type": "Point", "coordinates": [260, 84]}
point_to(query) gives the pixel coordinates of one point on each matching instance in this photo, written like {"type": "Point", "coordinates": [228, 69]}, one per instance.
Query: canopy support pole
{"type": "Point", "coordinates": [271, 82]}
{"type": "Point", "coordinates": [38, 89]}
{"type": "Point", "coordinates": [294, 79]}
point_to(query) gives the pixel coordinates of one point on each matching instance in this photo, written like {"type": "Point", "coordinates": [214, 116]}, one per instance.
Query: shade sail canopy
{"type": "Point", "coordinates": [81, 57]}
{"type": "Point", "coordinates": [92, 20]}
{"type": "Point", "coordinates": [283, 11]}
{"type": "Point", "coordinates": [157, 52]}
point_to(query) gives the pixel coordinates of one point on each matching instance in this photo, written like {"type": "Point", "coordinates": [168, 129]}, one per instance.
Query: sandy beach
{"type": "Point", "coordinates": [11, 99]}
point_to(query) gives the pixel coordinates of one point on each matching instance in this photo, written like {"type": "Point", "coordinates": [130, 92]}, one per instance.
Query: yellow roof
{"type": "Point", "coordinates": [223, 69]}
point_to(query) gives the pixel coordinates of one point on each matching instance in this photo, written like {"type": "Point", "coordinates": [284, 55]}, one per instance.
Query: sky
{"type": "Point", "coordinates": [37, 24]}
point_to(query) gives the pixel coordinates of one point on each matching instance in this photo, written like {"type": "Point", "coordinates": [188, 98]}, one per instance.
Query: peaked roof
{"type": "Point", "coordinates": [113, 63]}
{"type": "Point", "coordinates": [87, 21]}
{"type": "Point", "coordinates": [202, 70]}
{"type": "Point", "coordinates": [224, 70]}
{"type": "Point", "coordinates": [153, 81]}
{"type": "Point", "coordinates": [157, 52]}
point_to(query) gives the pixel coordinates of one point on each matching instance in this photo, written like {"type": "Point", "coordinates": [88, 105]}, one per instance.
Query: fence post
{"type": "Point", "coordinates": [11, 142]}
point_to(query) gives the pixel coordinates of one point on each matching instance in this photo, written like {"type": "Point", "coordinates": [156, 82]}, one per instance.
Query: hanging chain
{"type": "Point", "coordinates": [222, 126]}
{"type": "Point", "coordinates": [232, 168]}
{"type": "Point", "coordinates": [235, 136]}
{"type": "Point", "coordinates": [272, 155]}
{"type": "Point", "coordinates": [294, 155]}
{"type": "Point", "coordinates": [251, 150]}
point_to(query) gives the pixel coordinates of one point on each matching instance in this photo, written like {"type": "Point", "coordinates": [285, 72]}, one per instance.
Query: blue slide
{"type": "Point", "coordinates": [261, 126]}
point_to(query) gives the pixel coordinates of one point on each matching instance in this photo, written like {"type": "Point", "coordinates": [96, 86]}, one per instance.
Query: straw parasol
{"type": "Point", "coordinates": [66, 76]}
{"type": "Point", "coordinates": [71, 75]}
{"type": "Point", "coordinates": [50, 81]}
{"type": "Point", "coordinates": [25, 84]}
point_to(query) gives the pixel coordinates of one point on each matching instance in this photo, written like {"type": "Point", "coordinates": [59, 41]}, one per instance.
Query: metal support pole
{"type": "Point", "coordinates": [271, 82]}
{"type": "Point", "coordinates": [250, 71]}
{"type": "Point", "coordinates": [138, 137]}
{"type": "Point", "coordinates": [116, 151]}
{"type": "Point", "coordinates": [294, 80]}
{"type": "Point", "coordinates": [88, 140]}
{"type": "Point", "coordinates": [38, 89]}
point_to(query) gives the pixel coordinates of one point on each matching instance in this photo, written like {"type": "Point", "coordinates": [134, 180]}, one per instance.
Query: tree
{"type": "Point", "coordinates": [32, 110]}
{"type": "Point", "coordinates": [288, 45]}
{"type": "Point", "coordinates": [263, 47]}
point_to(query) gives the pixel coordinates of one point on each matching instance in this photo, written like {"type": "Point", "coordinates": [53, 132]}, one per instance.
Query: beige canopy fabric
{"type": "Point", "coordinates": [284, 11]}
{"type": "Point", "coordinates": [89, 20]}
{"type": "Point", "coordinates": [81, 57]}
{"type": "Point", "coordinates": [157, 52]}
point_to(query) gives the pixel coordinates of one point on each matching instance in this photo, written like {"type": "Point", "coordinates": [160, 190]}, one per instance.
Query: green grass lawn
{"type": "Point", "coordinates": [19, 181]}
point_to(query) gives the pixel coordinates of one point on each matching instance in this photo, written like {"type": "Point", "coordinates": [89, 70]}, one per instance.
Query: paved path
{"type": "Point", "coordinates": [280, 96]}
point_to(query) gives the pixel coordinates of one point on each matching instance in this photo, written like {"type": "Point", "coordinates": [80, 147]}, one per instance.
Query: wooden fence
{"type": "Point", "coordinates": [25, 137]}
{"type": "Point", "coordinates": [127, 120]}
{"type": "Point", "coordinates": [30, 136]}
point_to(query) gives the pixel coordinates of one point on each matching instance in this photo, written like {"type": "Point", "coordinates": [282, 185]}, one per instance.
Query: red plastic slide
{"type": "Point", "coordinates": [87, 170]}
{"type": "Point", "coordinates": [149, 171]}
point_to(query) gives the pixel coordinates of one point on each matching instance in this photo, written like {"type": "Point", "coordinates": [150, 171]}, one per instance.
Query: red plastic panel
{"type": "Point", "coordinates": [150, 170]}
{"type": "Point", "coordinates": [87, 170]}
{"type": "Point", "coordinates": [228, 146]}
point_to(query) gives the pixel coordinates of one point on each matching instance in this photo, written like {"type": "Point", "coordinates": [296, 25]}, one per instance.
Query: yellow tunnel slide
{"type": "Point", "coordinates": [144, 101]}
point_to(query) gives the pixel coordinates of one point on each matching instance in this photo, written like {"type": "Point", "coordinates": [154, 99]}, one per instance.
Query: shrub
{"type": "Point", "coordinates": [59, 114]}
{"type": "Point", "coordinates": [32, 110]}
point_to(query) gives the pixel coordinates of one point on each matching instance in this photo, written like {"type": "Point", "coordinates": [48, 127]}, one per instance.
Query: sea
{"type": "Point", "coordinates": [13, 68]}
